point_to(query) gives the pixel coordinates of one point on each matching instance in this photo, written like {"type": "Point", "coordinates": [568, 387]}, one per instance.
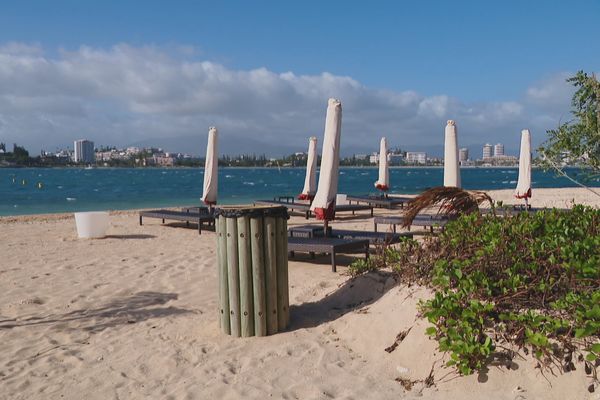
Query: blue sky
{"type": "Point", "coordinates": [477, 53]}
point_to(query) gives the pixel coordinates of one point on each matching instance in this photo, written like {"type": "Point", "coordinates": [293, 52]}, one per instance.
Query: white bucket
{"type": "Point", "coordinates": [92, 224]}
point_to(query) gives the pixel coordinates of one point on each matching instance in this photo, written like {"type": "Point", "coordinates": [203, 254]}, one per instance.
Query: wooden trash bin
{"type": "Point", "coordinates": [253, 270]}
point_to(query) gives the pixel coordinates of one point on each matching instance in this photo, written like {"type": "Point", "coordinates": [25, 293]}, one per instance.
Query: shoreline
{"type": "Point", "coordinates": [504, 195]}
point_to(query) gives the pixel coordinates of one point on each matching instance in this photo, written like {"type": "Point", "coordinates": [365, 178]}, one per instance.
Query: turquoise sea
{"type": "Point", "coordinates": [71, 189]}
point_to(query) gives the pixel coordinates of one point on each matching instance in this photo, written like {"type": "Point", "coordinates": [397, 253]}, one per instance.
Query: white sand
{"type": "Point", "coordinates": [133, 316]}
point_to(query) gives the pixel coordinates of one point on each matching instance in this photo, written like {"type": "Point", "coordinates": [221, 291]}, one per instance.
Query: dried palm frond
{"type": "Point", "coordinates": [450, 202]}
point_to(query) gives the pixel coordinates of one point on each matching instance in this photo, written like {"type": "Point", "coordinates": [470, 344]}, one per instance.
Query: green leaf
{"type": "Point", "coordinates": [431, 331]}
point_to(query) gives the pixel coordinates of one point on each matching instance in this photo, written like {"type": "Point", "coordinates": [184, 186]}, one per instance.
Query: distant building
{"type": "Point", "coordinates": [395, 159]}
{"type": "Point", "coordinates": [499, 150]}
{"type": "Point", "coordinates": [133, 150]}
{"type": "Point", "coordinates": [487, 151]}
{"type": "Point", "coordinates": [164, 160]}
{"type": "Point", "coordinates": [84, 151]}
{"type": "Point", "coordinates": [374, 158]}
{"type": "Point", "coordinates": [463, 155]}
{"type": "Point", "coordinates": [504, 161]}
{"type": "Point", "coordinates": [416, 157]}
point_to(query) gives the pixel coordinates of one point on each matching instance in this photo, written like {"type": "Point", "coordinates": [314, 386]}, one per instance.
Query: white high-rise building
{"type": "Point", "coordinates": [499, 150]}
{"type": "Point", "coordinates": [463, 155]}
{"type": "Point", "coordinates": [487, 151]}
{"type": "Point", "coordinates": [84, 151]}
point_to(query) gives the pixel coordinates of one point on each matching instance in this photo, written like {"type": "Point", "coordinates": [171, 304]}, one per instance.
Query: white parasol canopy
{"type": "Point", "coordinates": [451, 167]}
{"type": "Point", "coordinates": [383, 183]}
{"type": "Point", "coordinates": [310, 182]}
{"type": "Point", "coordinates": [323, 205]}
{"type": "Point", "coordinates": [211, 168]}
{"type": "Point", "coordinates": [523, 190]}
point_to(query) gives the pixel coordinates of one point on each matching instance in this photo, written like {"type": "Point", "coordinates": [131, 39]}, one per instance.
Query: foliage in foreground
{"type": "Point", "coordinates": [528, 280]}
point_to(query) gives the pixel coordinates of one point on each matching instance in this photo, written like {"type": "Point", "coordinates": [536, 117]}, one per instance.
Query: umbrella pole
{"type": "Point", "coordinates": [325, 227]}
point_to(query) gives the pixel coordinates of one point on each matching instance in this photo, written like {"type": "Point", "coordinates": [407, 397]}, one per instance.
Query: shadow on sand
{"type": "Point", "coordinates": [354, 294]}
{"type": "Point", "coordinates": [138, 307]}
{"type": "Point", "coordinates": [135, 236]}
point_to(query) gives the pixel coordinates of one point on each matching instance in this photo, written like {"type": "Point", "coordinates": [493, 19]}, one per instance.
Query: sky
{"type": "Point", "coordinates": [154, 72]}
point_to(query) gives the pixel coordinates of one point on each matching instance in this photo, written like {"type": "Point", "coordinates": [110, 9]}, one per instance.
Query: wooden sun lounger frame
{"type": "Point", "coordinates": [187, 217]}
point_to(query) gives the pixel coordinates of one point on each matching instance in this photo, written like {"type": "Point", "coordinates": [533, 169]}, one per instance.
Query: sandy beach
{"type": "Point", "coordinates": [133, 316]}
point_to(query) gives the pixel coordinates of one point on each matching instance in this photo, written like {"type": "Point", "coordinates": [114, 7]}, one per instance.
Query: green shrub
{"type": "Point", "coordinates": [531, 280]}
{"type": "Point", "coordinates": [361, 266]}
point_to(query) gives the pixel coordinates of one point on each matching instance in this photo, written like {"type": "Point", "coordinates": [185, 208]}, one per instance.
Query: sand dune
{"type": "Point", "coordinates": [133, 316]}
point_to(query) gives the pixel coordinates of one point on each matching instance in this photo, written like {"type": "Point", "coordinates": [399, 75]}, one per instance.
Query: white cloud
{"type": "Point", "coordinates": [552, 92]}
{"type": "Point", "coordinates": [129, 94]}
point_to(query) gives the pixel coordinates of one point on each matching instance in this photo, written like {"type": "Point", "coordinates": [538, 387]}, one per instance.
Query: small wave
{"type": "Point", "coordinates": [15, 205]}
{"type": "Point", "coordinates": [95, 190]}
{"type": "Point", "coordinates": [364, 173]}
{"type": "Point", "coordinates": [513, 182]}
{"type": "Point", "coordinates": [71, 198]}
{"type": "Point", "coordinates": [60, 187]}
{"type": "Point", "coordinates": [342, 173]}
{"type": "Point", "coordinates": [248, 183]}
{"type": "Point", "coordinates": [229, 176]}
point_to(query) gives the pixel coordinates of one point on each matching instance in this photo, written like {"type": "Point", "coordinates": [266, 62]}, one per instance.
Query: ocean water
{"type": "Point", "coordinates": [72, 189]}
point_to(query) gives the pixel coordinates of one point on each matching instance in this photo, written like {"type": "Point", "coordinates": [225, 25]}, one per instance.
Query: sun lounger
{"type": "Point", "coordinates": [187, 217]}
{"type": "Point", "coordinates": [316, 231]}
{"type": "Point", "coordinates": [372, 237]}
{"type": "Point", "coordinates": [379, 201]}
{"type": "Point", "coordinates": [427, 221]}
{"type": "Point", "coordinates": [331, 246]}
{"type": "Point", "coordinates": [516, 209]}
{"type": "Point", "coordinates": [196, 209]}
{"type": "Point", "coordinates": [304, 208]}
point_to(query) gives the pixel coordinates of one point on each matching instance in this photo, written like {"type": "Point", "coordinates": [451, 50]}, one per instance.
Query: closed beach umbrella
{"type": "Point", "coordinates": [310, 182]}
{"type": "Point", "coordinates": [523, 190]}
{"type": "Point", "coordinates": [211, 170]}
{"type": "Point", "coordinates": [323, 205]}
{"type": "Point", "coordinates": [451, 168]}
{"type": "Point", "coordinates": [383, 183]}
